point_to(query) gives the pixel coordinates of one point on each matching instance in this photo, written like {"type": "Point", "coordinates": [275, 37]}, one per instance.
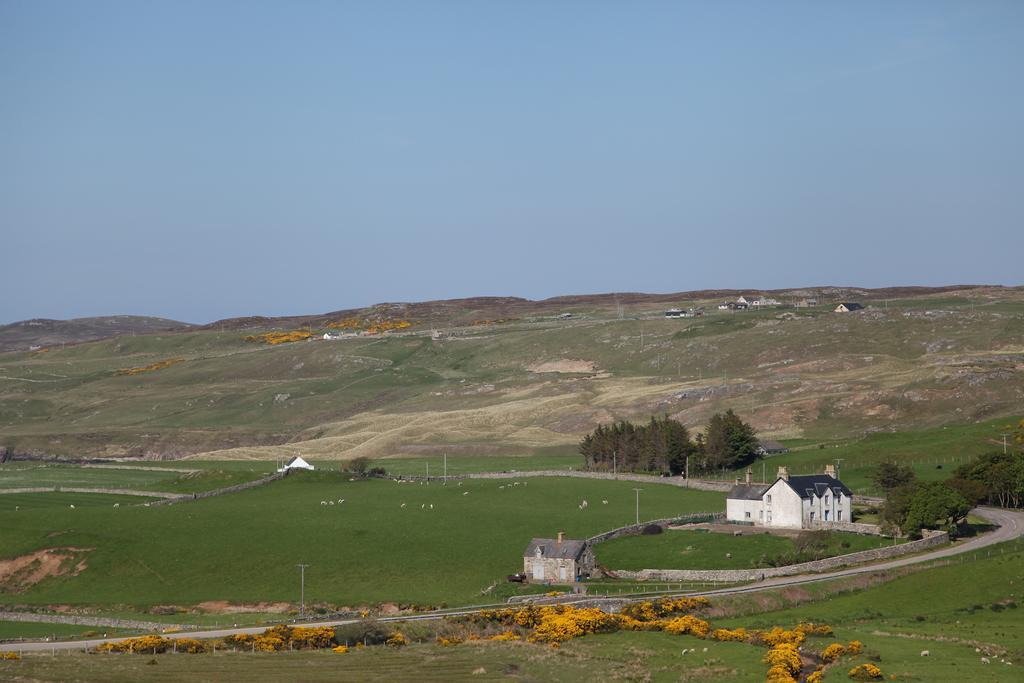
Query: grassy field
{"type": "Point", "coordinates": [244, 547]}
{"type": "Point", "coordinates": [206, 477]}
{"type": "Point", "coordinates": [619, 656]}
{"type": "Point", "coordinates": [676, 549]}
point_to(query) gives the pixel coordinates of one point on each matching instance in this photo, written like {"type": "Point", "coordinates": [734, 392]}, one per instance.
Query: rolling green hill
{"type": "Point", "coordinates": [511, 377]}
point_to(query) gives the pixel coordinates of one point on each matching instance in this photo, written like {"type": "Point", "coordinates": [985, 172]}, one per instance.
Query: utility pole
{"type": "Point", "coordinates": [302, 589]}
{"type": "Point", "coordinates": [446, 468]}
{"type": "Point", "coordinates": [638, 505]}
{"type": "Point", "coordinates": [839, 461]}
{"type": "Point", "coordinates": [1004, 443]}
{"type": "Point", "coordinates": [615, 465]}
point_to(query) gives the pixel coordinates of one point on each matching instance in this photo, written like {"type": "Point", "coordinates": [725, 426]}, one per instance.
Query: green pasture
{"type": "Point", "coordinates": [677, 549]}
{"type": "Point", "coordinates": [206, 477]}
{"type": "Point", "coordinates": [244, 547]}
{"type": "Point", "coordinates": [652, 657]}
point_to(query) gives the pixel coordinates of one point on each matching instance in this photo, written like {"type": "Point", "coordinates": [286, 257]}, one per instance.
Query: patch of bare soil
{"type": "Point", "coordinates": [225, 607]}
{"type": "Point", "coordinates": [21, 573]}
{"type": "Point", "coordinates": [563, 365]}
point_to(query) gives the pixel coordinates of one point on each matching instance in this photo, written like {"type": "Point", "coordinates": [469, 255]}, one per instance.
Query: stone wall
{"type": "Point", "coordinates": [102, 622]}
{"type": "Point", "coordinates": [739, 575]}
{"type": "Point", "coordinates": [220, 492]}
{"type": "Point", "coordinates": [682, 482]}
{"type": "Point", "coordinates": [76, 489]}
{"type": "Point", "coordinates": [852, 527]}
{"type": "Point", "coordinates": [635, 529]}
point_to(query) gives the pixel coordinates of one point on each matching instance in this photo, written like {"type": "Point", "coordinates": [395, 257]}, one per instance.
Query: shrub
{"type": "Point", "coordinates": [369, 632]}
{"type": "Point", "coordinates": [505, 636]}
{"type": "Point", "coordinates": [784, 656]}
{"type": "Point", "coordinates": [397, 640]}
{"type": "Point", "coordinates": [865, 672]}
{"type": "Point", "coordinates": [736, 635]}
{"type": "Point", "coordinates": [816, 677]}
{"type": "Point", "coordinates": [651, 530]}
{"type": "Point", "coordinates": [854, 647]}
{"type": "Point", "coordinates": [317, 638]}
{"type": "Point", "coordinates": [341, 649]}
{"type": "Point", "coordinates": [687, 625]}
{"type": "Point", "coordinates": [10, 656]}
{"type": "Point", "coordinates": [832, 653]}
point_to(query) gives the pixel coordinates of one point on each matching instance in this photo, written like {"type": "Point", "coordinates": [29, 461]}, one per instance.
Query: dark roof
{"type": "Point", "coordinates": [566, 550]}
{"type": "Point", "coordinates": [772, 446]}
{"type": "Point", "coordinates": [851, 306]}
{"type": "Point", "coordinates": [817, 483]}
{"type": "Point", "coordinates": [746, 492]}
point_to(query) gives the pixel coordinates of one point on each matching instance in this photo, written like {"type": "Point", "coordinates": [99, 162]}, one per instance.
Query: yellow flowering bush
{"type": "Point", "coordinates": [816, 676]}
{"type": "Point", "coordinates": [397, 640]}
{"type": "Point", "coordinates": [142, 645]}
{"type": "Point", "coordinates": [687, 624]}
{"type": "Point", "coordinates": [341, 649]}
{"type": "Point", "coordinates": [832, 652]}
{"type": "Point", "coordinates": [865, 672]}
{"type": "Point", "coordinates": [785, 656]}
{"type": "Point", "coordinates": [854, 647]}
{"type": "Point", "coordinates": [779, 674]}
{"type": "Point", "coordinates": [809, 629]}
{"type": "Point", "coordinates": [10, 656]}
{"type": "Point", "coordinates": [778, 636]}
{"type": "Point", "coordinates": [152, 367]}
{"type": "Point", "coordinates": [311, 638]}
{"type": "Point", "coordinates": [726, 635]}
{"type": "Point", "coordinates": [190, 646]}
{"type": "Point", "coordinates": [505, 636]}
{"type": "Point", "coordinates": [275, 338]}
{"type": "Point", "coordinates": [448, 642]}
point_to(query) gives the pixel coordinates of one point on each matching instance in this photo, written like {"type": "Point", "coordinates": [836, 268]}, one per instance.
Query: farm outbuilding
{"type": "Point", "coordinates": [848, 307]}
{"type": "Point", "coordinates": [557, 560]}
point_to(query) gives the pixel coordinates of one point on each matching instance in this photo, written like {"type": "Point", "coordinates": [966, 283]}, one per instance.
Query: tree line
{"type": "Point", "coordinates": [910, 505]}
{"type": "Point", "coordinates": [665, 446]}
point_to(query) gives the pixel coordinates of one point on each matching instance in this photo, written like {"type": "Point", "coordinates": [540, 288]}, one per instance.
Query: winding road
{"type": "Point", "coordinates": [1010, 526]}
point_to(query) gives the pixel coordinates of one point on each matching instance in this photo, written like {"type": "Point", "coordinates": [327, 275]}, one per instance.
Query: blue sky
{"type": "Point", "coordinates": [199, 160]}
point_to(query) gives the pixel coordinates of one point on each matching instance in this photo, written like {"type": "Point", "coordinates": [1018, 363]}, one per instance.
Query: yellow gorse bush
{"type": "Point", "coordinates": [274, 338]}
{"type": "Point", "coordinates": [142, 645]}
{"type": "Point", "coordinates": [341, 649]}
{"type": "Point", "coordinates": [687, 625]}
{"type": "Point", "coordinates": [854, 647]}
{"type": "Point", "coordinates": [397, 640]}
{"type": "Point", "coordinates": [816, 676]}
{"type": "Point", "coordinates": [448, 642]}
{"type": "Point", "coordinates": [10, 656]}
{"type": "Point", "coordinates": [809, 629]}
{"type": "Point", "coordinates": [152, 367]}
{"type": "Point", "coordinates": [832, 653]}
{"type": "Point", "coordinates": [785, 656]}
{"type": "Point", "coordinates": [505, 635]}
{"type": "Point", "coordinates": [865, 672]}
{"type": "Point", "coordinates": [726, 635]}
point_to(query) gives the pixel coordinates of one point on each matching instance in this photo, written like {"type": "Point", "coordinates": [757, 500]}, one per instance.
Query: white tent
{"type": "Point", "coordinates": [296, 463]}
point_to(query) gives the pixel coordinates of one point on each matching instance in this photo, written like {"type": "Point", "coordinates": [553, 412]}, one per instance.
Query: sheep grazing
{"type": "Point", "coordinates": [330, 502]}
{"type": "Point", "coordinates": [431, 506]}
{"type": "Point", "coordinates": [117, 505]}
{"type": "Point", "coordinates": [340, 501]}
{"type": "Point", "coordinates": [72, 507]}
{"type": "Point", "coordinates": [586, 504]}
{"type": "Point", "coordinates": [423, 506]}
{"type": "Point", "coordinates": [925, 653]}
{"type": "Point", "coordinates": [465, 493]}
{"type": "Point", "coordinates": [604, 502]}
{"type": "Point", "coordinates": [501, 488]}
{"type": "Point", "coordinates": [323, 502]}
{"type": "Point", "coordinates": [402, 505]}
{"type": "Point", "coordinates": [984, 660]}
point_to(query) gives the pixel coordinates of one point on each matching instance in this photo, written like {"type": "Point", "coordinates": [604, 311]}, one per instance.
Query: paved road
{"type": "Point", "coordinates": [1011, 526]}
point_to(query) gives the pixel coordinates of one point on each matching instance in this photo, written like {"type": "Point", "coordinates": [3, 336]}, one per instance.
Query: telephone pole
{"type": "Point", "coordinates": [302, 589]}
{"type": "Point", "coordinates": [638, 505]}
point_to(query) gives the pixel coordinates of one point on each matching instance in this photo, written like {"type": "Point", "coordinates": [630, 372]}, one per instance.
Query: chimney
{"type": "Point", "coordinates": [830, 470]}
{"type": "Point", "coordinates": [783, 472]}
{"type": "Point", "coordinates": [750, 474]}
{"type": "Point", "coordinates": [561, 537]}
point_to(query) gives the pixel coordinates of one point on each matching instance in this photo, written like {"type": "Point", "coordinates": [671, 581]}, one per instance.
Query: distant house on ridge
{"type": "Point", "coordinates": [296, 463]}
{"type": "Point", "coordinates": [848, 307]}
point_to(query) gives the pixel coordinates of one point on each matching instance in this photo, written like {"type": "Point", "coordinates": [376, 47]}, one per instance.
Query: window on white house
{"type": "Point", "coordinates": [746, 515]}
{"type": "Point", "coordinates": [839, 515]}
{"type": "Point", "coordinates": [826, 500]}
{"type": "Point", "coordinates": [769, 499]}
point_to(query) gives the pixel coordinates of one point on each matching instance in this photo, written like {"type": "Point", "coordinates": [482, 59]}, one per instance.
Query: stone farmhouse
{"type": "Point", "coordinates": [792, 502]}
{"type": "Point", "coordinates": [558, 560]}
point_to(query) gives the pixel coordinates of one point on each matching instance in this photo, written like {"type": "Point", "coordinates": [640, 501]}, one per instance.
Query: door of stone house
{"type": "Point", "coordinates": [562, 573]}
{"type": "Point", "coordinates": [538, 571]}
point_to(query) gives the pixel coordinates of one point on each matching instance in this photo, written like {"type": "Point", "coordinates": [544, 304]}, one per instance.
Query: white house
{"type": "Point", "coordinates": [848, 307]}
{"type": "Point", "coordinates": [296, 463]}
{"type": "Point", "coordinates": [797, 502]}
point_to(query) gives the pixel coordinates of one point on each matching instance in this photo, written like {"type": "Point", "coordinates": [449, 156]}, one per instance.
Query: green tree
{"type": "Point", "coordinates": [729, 442]}
{"type": "Point", "coordinates": [935, 504]}
{"type": "Point", "coordinates": [889, 476]}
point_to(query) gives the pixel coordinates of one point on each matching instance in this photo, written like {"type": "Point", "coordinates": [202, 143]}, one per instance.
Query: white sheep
{"type": "Point", "coordinates": [585, 503]}
{"type": "Point", "coordinates": [340, 501]}
{"type": "Point", "coordinates": [465, 493]}
{"type": "Point", "coordinates": [604, 502]}
{"type": "Point", "coordinates": [925, 653]}
{"type": "Point", "coordinates": [323, 502]}
{"type": "Point", "coordinates": [72, 507]}
{"type": "Point", "coordinates": [984, 660]}
{"type": "Point", "coordinates": [117, 505]}
{"type": "Point", "coordinates": [423, 506]}
{"type": "Point", "coordinates": [431, 506]}
{"type": "Point", "coordinates": [501, 488]}
{"type": "Point", "coordinates": [402, 505]}
{"type": "Point", "coordinates": [330, 502]}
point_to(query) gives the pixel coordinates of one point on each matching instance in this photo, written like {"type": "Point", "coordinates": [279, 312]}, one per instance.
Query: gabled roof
{"type": "Point", "coordinates": [770, 445]}
{"type": "Point", "coordinates": [566, 550]}
{"type": "Point", "coordinates": [851, 306]}
{"type": "Point", "coordinates": [746, 492]}
{"type": "Point", "coordinates": [817, 484]}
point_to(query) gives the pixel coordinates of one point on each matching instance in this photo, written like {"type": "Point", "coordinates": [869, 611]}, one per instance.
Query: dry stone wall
{"type": "Point", "coordinates": [739, 575]}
